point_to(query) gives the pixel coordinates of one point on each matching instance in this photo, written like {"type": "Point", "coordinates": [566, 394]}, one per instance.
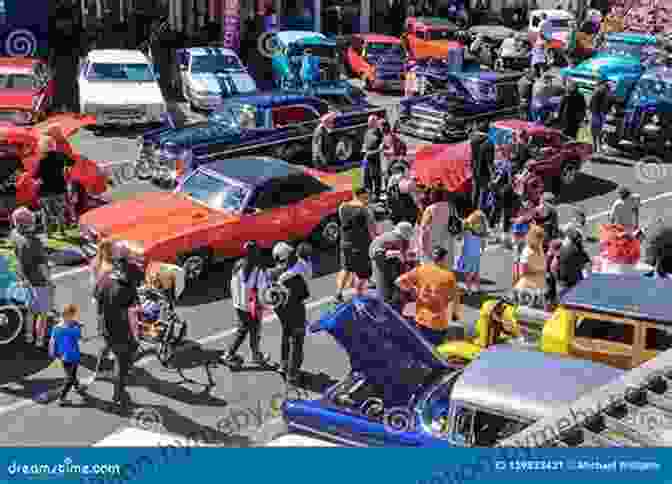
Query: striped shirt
{"type": "Point", "coordinates": [240, 288]}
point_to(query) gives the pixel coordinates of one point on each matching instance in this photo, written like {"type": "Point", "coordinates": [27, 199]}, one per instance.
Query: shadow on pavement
{"type": "Point", "coordinates": [20, 361]}
{"type": "Point", "coordinates": [586, 186]}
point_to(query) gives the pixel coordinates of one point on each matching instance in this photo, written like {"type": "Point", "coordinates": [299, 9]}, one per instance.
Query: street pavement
{"type": "Point", "coordinates": [239, 408]}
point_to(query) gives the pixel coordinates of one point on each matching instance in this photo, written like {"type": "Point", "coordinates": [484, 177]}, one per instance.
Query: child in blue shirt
{"type": "Point", "coordinates": [64, 345]}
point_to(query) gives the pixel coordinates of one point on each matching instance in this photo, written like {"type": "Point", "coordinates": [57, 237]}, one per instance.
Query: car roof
{"type": "Point", "coordinates": [632, 38]}
{"type": "Point", "coordinates": [626, 295]}
{"type": "Point", "coordinates": [290, 36]}
{"type": "Point", "coordinates": [205, 51]}
{"type": "Point", "coordinates": [528, 384]}
{"type": "Point", "coordinates": [112, 56]}
{"type": "Point", "coordinates": [255, 170]}
{"type": "Point", "coordinates": [271, 98]}
{"type": "Point", "coordinates": [19, 64]}
{"type": "Point", "coordinates": [553, 13]}
{"type": "Point", "coordinates": [384, 39]}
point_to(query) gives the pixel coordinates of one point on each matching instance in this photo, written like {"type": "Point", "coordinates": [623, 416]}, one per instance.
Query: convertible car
{"type": "Point", "coordinates": [378, 60]}
{"type": "Point", "coordinates": [20, 168]}
{"type": "Point", "coordinates": [462, 101]}
{"type": "Point", "coordinates": [278, 124]}
{"type": "Point", "coordinates": [219, 207]}
{"type": "Point", "coordinates": [26, 90]}
{"type": "Point", "coordinates": [399, 392]}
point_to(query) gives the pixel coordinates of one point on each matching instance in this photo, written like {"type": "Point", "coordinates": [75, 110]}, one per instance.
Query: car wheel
{"type": "Point", "coordinates": [195, 265]}
{"type": "Point", "coordinates": [344, 149]}
{"type": "Point", "coordinates": [499, 65]}
{"type": "Point", "coordinates": [569, 172]}
{"type": "Point", "coordinates": [328, 234]}
{"type": "Point", "coordinates": [11, 324]}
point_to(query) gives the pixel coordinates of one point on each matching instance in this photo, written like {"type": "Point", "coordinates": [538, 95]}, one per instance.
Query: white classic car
{"type": "Point", "coordinates": [119, 87]}
{"type": "Point", "coordinates": [209, 74]}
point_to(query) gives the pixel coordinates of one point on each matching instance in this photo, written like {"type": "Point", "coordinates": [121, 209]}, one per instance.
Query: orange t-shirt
{"type": "Point", "coordinates": [436, 291]}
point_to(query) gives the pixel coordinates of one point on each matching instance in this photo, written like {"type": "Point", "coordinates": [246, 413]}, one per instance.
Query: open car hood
{"type": "Point", "coordinates": [380, 344]}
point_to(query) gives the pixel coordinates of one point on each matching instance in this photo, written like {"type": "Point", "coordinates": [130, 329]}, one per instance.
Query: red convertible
{"type": "Point", "coordinates": [21, 160]}
{"type": "Point", "coordinates": [219, 207]}
{"type": "Point", "coordinates": [26, 90]}
{"type": "Point", "coordinates": [378, 60]}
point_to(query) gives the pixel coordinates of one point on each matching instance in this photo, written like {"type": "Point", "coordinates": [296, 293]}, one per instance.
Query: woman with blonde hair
{"type": "Point", "coordinates": [475, 232]}
{"type": "Point", "coordinates": [531, 287]}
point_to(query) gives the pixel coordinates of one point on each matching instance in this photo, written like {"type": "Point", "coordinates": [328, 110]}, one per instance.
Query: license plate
{"type": "Point", "coordinates": [609, 129]}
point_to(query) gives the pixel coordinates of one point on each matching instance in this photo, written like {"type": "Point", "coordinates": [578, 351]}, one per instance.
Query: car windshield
{"type": "Point", "coordinates": [236, 116]}
{"type": "Point", "coordinates": [436, 34]}
{"type": "Point", "coordinates": [618, 48]}
{"type": "Point", "coordinates": [214, 63]}
{"type": "Point", "coordinates": [215, 192]}
{"type": "Point", "coordinates": [120, 72]}
{"type": "Point", "coordinates": [384, 49]}
{"type": "Point", "coordinates": [655, 88]}
{"type": "Point", "coordinates": [17, 81]}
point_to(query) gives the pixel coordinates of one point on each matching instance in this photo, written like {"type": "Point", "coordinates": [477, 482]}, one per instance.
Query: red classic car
{"type": "Point", "coordinates": [219, 207]}
{"type": "Point", "coordinates": [20, 165]}
{"type": "Point", "coordinates": [26, 90]}
{"type": "Point", "coordinates": [377, 59]}
{"type": "Point", "coordinates": [556, 158]}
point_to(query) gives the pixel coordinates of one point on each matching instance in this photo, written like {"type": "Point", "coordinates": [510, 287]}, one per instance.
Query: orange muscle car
{"type": "Point", "coordinates": [219, 207]}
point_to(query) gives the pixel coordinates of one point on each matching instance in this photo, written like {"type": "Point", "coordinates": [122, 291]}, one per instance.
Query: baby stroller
{"type": "Point", "coordinates": [158, 328]}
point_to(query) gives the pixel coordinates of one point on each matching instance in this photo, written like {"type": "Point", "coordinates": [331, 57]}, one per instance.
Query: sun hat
{"type": "Point", "coordinates": [405, 230]}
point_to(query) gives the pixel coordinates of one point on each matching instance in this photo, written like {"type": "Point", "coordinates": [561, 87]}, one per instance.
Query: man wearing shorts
{"type": "Point", "coordinates": [357, 232]}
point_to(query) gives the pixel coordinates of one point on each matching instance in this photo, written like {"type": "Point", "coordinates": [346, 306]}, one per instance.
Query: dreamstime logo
{"type": "Point", "coordinates": [20, 43]}
{"type": "Point", "coordinates": [267, 46]}
{"type": "Point", "coordinates": [274, 296]}
{"type": "Point", "coordinates": [651, 170]}
{"type": "Point", "coordinates": [147, 418]}
{"type": "Point", "coordinates": [399, 420]}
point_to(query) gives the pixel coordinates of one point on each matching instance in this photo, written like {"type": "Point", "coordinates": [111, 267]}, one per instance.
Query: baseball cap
{"type": "Point", "coordinates": [282, 251]}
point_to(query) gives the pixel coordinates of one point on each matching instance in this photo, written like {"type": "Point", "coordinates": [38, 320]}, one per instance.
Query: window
{"type": "Point", "coordinates": [287, 191]}
{"type": "Point", "coordinates": [120, 72]}
{"type": "Point", "coordinates": [622, 333]}
{"type": "Point", "coordinates": [658, 339]}
{"type": "Point", "coordinates": [215, 192]}
{"type": "Point", "coordinates": [288, 115]}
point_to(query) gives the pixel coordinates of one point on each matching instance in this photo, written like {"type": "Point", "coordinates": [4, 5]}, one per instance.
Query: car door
{"type": "Point", "coordinates": [293, 128]}
{"type": "Point", "coordinates": [311, 207]}
{"type": "Point", "coordinates": [606, 340]}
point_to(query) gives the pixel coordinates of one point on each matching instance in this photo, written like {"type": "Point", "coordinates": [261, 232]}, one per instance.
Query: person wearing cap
{"type": "Point", "coordinates": [32, 270]}
{"type": "Point", "coordinates": [248, 282]}
{"type": "Point", "coordinates": [288, 280]}
{"type": "Point", "coordinates": [116, 293]}
{"type": "Point", "coordinates": [435, 287]}
{"type": "Point", "coordinates": [393, 243]}
{"type": "Point", "coordinates": [599, 106]}
{"type": "Point", "coordinates": [322, 140]}
{"type": "Point", "coordinates": [358, 229]}
{"type": "Point", "coordinates": [625, 210]}
{"type": "Point", "coordinates": [373, 147]}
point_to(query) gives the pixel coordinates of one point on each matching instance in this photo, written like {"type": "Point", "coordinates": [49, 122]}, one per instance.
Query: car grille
{"type": "Point", "coordinates": [124, 111]}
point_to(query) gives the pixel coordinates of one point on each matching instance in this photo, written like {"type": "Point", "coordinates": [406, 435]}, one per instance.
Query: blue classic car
{"type": "Point", "coordinates": [462, 101]}
{"type": "Point", "coordinates": [401, 393]}
{"type": "Point", "coordinates": [209, 74]}
{"type": "Point", "coordinates": [287, 50]}
{"type": "Point", "coordinates": [278, 124]}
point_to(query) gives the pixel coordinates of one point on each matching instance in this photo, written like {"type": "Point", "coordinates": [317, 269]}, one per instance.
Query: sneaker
{"type": "Point", "coordinates": [260, 359]}
{"type": "Point", "coordinates": [63, 402]}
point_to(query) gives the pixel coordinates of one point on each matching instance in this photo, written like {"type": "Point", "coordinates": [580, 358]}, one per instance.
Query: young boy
{"type": "Point", "coordinates": [64, 345]}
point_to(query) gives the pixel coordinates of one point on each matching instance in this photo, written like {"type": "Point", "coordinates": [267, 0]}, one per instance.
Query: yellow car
{"type": "Point", "coordinates": [617, 319]}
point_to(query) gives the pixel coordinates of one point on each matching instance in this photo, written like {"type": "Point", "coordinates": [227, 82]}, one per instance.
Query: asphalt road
{"type": "Point", "coordinates": [227, 412]}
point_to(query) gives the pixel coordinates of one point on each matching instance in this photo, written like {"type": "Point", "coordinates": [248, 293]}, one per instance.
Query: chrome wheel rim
{"type": "Point", "coordinates": [10, 326]}
{"type": "Point", "coordinates": [331, 232]}
{"type": "Point", "coordinates": [193, 266]}
{"type": "Point", "coordinates": [568, 174]}
{"type": "Point", "coordinates": [344, 149]}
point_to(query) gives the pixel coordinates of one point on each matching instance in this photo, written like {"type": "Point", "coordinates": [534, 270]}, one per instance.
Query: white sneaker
{"type": "Point", "coordinates": [30, 340]}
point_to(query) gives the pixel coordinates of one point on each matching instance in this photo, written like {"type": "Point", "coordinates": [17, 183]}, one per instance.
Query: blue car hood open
{"type": "Point", "coordinates": [380, 343]}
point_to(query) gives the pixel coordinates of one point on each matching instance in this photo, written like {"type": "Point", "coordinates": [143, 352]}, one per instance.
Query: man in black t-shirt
{"type": "Point", "coordinates": [357, 232]}
{"type": "Point", "coordinates": [572, 260]}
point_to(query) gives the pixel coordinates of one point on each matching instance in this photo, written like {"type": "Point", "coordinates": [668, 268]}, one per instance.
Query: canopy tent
{"type": "Point", "coordinates": [448, 166]}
